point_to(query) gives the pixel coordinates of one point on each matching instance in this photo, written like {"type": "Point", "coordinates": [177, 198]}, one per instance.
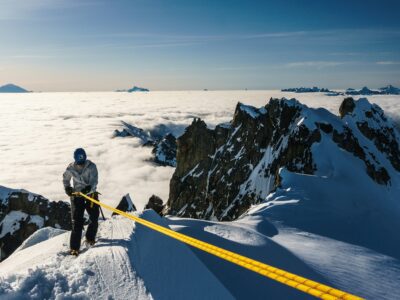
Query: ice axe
{"type": "Point", "coordinates": [102, 214]}
{"type": "Point", "coordinates": [101, 210]}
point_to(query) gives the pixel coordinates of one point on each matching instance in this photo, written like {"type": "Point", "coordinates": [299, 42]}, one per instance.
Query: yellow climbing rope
{"type": "Point", "coordinates": [300, 283]}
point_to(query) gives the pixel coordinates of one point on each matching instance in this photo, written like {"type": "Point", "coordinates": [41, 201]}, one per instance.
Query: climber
{"type": "Point", "coordinates": [84, 178]}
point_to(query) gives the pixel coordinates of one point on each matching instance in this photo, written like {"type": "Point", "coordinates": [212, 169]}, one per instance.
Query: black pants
{"type": "Point", "coordinates": [78, 206]}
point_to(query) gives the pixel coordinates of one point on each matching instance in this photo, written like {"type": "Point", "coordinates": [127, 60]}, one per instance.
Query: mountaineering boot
{"type": "Point", "coordinates": [89, 243]}
{"type": "Point", "coordinates": [74, 252]}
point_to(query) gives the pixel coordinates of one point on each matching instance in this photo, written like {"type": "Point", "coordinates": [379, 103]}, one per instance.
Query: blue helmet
{"type": "Point", "coordinates": [80, 156]}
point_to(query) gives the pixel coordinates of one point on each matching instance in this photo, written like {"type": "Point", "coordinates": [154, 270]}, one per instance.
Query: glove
{"type": "Point", "coordinates": [86, 189]}
{"type": "Point", "coordinates": [69, 190]}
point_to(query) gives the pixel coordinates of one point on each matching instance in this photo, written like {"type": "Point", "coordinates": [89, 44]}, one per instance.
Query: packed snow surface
{"type": "Point", "coordinates": [128, 262]}
{"type": "Point", "coordinates": [132, 261]}
{"type": "Point", "coordinates": [364, 272]}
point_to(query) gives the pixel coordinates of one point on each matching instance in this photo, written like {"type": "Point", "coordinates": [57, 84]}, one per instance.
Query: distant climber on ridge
{"type": "Point", "coordinates": [84, 177]}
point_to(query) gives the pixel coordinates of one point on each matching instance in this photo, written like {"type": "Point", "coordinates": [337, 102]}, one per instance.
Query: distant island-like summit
{"type": "Point", "coordinates": [134, 89]}
{"type": "Point", "coordinates": [12, 88]}
{"type": "Point", "coordinates": [307, 90]}
{"type": "Point", "coordinates": [365, 91]}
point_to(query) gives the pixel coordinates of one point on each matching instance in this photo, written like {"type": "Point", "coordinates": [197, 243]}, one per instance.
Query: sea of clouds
{"type": "Point", "coordinates": [39, 132]}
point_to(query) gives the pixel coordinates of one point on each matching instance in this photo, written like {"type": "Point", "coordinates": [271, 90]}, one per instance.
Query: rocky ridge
{"type": "Point", "coordinates": [365, 91]}
{"type": "Point", "coordinates": [160, 139]}
{"type": "Point", "coordinates": [307, 90]}
{"type": "Point", "coordinates": [222, 172]}
{"type": "Point", "coordinates": [22, 213]}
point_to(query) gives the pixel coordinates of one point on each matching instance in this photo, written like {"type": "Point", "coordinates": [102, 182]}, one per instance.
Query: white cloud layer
{"type": "Point", "coordinates": [39, 132]}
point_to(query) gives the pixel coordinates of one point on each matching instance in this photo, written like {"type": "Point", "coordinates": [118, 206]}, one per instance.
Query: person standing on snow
{"type": "Point", "coordinates": [84, 177]}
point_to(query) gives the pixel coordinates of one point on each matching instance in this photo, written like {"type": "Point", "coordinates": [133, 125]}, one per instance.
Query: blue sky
{"type": "Point", "coordinates": [89, 45]}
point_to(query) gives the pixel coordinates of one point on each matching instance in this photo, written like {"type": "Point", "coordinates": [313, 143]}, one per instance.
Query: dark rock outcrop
{"type": "Point", "coordinates": [126, 205]}
{"type": "Point", "coordinates": [155, 203]}
{"type": "Point", "coordinates": [22, 213]}
{"type": "Point", "coordinates": [221, 173]}
{"type": "Point", "coordinates": [346, 107]}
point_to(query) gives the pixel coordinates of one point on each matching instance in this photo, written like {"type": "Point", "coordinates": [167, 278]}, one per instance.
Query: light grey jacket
{"type": "Point", "coordinates": [80, 179]}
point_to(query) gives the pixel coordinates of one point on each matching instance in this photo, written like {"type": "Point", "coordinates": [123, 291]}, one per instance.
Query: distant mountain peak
{"type": "Point", "coordinates": [135, 89]}
{"type": "Point", "coordinates": [12, 88]}
{"type": "Point", "coordinates": [307, 90]}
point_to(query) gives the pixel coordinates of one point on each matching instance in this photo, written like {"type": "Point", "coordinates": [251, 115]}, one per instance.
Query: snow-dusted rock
{"type": "Point", "coordinates": [160, 138]}
{"type": "Point", "coordinates": [22, 213]}
{"type": "Point", "coordinates": [334, 94]}
{"type": "Point", "coordinates": [365, 91]}
{"type": "Point", "coordinates": [221, 173]}
{"type": "Point", "coordinates": [390, 90]}
{"type": "Point", "coordinates": [133, 131]}
{"type": "Point", "coordinates": [134, 89]}
{"type": "Point", "coordinates": [165, 151]}
{"type": "Point", "coordinates": [387, 90]}
{"type": "Point", "coordinates": [307, 90]}
{"type": "Point", "coordinates": [137, 89]}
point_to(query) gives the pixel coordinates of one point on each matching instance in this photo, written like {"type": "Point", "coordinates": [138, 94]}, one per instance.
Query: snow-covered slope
{"type": "Point", "coordinates": [366, 273]}
{"type": "Point", "coordinates": [131, 261]}
{"type": "Point", "coordinates": [338, 176]}
{"type": "Point", "coordinates": [340, 199]}
{"type": "Point", "coordinates": [46, 271]}
{"type": "Point", "coordinates": [354, 269]}
{"type": "Point", "coordinates": [128, 262]}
